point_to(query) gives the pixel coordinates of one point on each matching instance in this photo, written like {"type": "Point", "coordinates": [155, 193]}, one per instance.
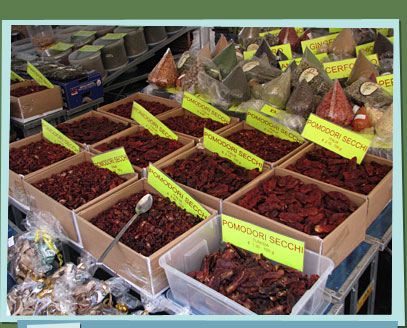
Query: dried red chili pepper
{"type": "Point", "coordinates": [267, 147]}
{"type": "Point", "coordinates": [79, 184]}
{"type": "Point", "coordinates": [327, 166]}
{"type": "Point", "coordinates": [253, 281]}
{"type": "Point", "coordinates": [153, 107]}
{"type": "Point", "coordinates": [142, 147]}
{"type": "Point", "coordinates": [163, 223]}
{"type": "Point", "coordinates": [91, 129]}
{"type": "Point", "coordinates": [192, 125]}
{"type": "Point", "coordinates": [36, 155]}
{"type": "Point", "coordinates": [212, 174]}
{"type": "Point", "coordinates": [23, 91]}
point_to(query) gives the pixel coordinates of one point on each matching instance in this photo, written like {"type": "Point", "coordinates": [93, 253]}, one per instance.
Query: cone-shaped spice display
{"type": "Point", "coordinates": [165, 73]}
{"type": "Point", "coordinates": [226, 60]}
{"type": "Point", "coordinates": [383, 47]}
{"type": "Point", "coordinates": [237, 83]}
{"type": "Point", "coordinates": [344, 43]}
{"type": "Point", "coordinates": [289, 35]}
{"type": "Point", "coordinates": [302, 100]}
{"type": "Point", "coordinates": [264, 49]}
{"type": "Point", "coordinates": [363, 67]}
{"type": "Point", "coordinates": [220, 45]}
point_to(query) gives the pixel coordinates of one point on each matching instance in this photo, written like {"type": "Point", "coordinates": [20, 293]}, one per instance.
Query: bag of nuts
{"type": "Point", "coordinates": [165, 73]}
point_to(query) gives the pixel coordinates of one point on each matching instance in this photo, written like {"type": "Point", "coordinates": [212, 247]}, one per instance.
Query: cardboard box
{"type": "Point", "coordinates": [244, 126]}
{"type": "Point", "coordinates": [95, 114]}
{"type": "Point", "coordinates": [183, 111]}
{"type": "Point", "coordinates": [377, 199]}
{"type": "Point", "coordinates": [36, 103]}
{"type": "Point", "coordinates": [337, 245]}
{"type": "Point", "coordinates": [143, 271]}
{"type": "Point", "coordinates": [15, 184]}
{"type": "Point", "coordinates": [201, 196]}
{"type": "Point", "coordinates": [137, 96]}
{"type": "Point", "coordinates": [43, 202]}
{"type": "Point", "coordinates": [187, 142]}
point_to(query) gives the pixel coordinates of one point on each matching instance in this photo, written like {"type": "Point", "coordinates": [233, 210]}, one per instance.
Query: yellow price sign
{"type": "Point", "coordinates": [342, 68]}
{"type": "Point", "coordinates": [276, 247]}
{"type": "Point", "coordinates": [149, 122]}
{"type": "Point", "coordinates": [367, 48]}
{"type": "Point", "coordinates": [53, 135]}
{"type": "Point", "coordinates": [168, 188]}
{"type": "Point", "coordinates": [386, 82]}
{"type": "Point", "coordinates": [115, 160]}
{"type": "Point", "coordinates": [336, 138]}
{"type": "Point", "coordinates": [270, 110]}
{"type": "Point", "coordinates": [314, 44]}
{"type": "Point", "coordinates": [285, 63]}
{"type": "Point", "coordinates": [38, 76]}
{"type": "Point", "coordinates": [15, 77]}
{"type": "Point", "coordinates": [335, 29]}
{"type": "Point", "coordinates": [284, 48]}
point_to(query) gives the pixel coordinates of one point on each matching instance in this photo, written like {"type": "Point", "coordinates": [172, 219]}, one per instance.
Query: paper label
{"type": "Point", "coordinates": [249, 66]}
{"type": "Point", "coordinates": [60, 46]}
{"type": "Point", "coordinates": [367, 88]}
{"type": "Point", "coordinates": [113, 36]}
{"type": "Point", "coordinates": [386, 82]}
{"type": "Point", "coordinates": [203, 109]}
{"type": "Point", "coordinates": [84, 33]}
{"type": "Point", "coordinates": [115, 160]}
{"type": "Point", "coordinates": [336, 138]}
{"type": "Point", "coordinates": [367, 48]}
{"type": "Point", "coordinates": [270, 110]}
{"type": "Point", "coordinates": [335, 29]}
{"type": "Point", "coordinates": [268, 126]}
{"type": "Point", "coordinates": [53, 135]}
{"type": "Point", "coordinates": [149, 122]}
{"type": "Point", "coordinates": [183, 59]}
{"type": "Point", "coordinates": [15, 77]}
{"type": "Point", "coordinates": [10, 241]}
{"type": "Point", "coordinates": [38, 77]}
{"type": "Point", "coordinates": [384, 31]}
{"type": "Point", "coordinates": [168, 188]}
{"type": "Point", "coordinates": [284, 48]}
{"type": "Point", "coordinates": [90, 48]}
{"type": "Point", "coordinates": [315, 44]}
{"type": "Point", "coordinates": [227, 149]}
{"type": "Point", "coordinates": [276, 247]}
{"type": "Point", "coordinates": [342, 68]}
{"type": "Point", "coordinates": [285, 63]}
{"type": "Point", "coordinates": [308, 74]}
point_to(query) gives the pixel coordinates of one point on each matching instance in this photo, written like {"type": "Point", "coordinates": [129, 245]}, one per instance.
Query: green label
{"type": "Point", "coordinates": [90, 48]}
{"type": "Point", "coordinates": [270, 110]}
{"type": "Point", "coordinates": [335, 29]}
{"type": "Point", "coordinates": [53, 135]}
{"type": "Point", "coordinates": [285, 63]}
{"type": "Point", "coordinates": [38, 77]}
{"type": "Point", "coordinates": [168, 188]}
{"type": "Point", "coordinates": [115, 160]}
{"type": "Point", "coordinates": [317, 43]}
{"type": "Point", "coordinates": [84, 33]}
{"type": "Point", "coordinates": [15, 77]}
{"type": "Point", "coordinates": [386, 82]}
{"type": "Point", "coordinates": [227, 149]}
{"type": "Point", "coordinates": [276, 247]}
{"type": "Point", "coordinates": [60, 46]}
{"type": "Point", "coordinates": [203, 109]}
{"type": "Point", "coordinates": [149, 122]}
{"type": "Point", "coordinates": [342, 68]}
{"type": "Point", "coordinates": [284, 48]}
{"type": "Point", "coordinates": [268, 126]}
{"type": "Point", "coordinates": [336, 138]}
{"type": "Point", "coordinates": [113, 36]}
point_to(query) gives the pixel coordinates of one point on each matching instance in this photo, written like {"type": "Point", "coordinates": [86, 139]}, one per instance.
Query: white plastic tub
{"type": "Point", "coordinates": [187, 256]}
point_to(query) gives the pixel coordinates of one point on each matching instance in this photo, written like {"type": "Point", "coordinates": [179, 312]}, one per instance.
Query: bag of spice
{"type": "Point", "coordinates": [226, 60]}
{"type": "Point", "coordinates": [277, 91]}
{"type": "Point", "coordinates": [289, 35]}
{"type": "Point", "coordinates": [213, 91]}
{"type": "Point", "coordinates": [335, 106]}
{"type": "Point", "coordinates": [264, 49]}
{"type": "Point", "coordinates": [259, 69]}
{"type": "Point", "coordinates": [220, 45]}
{"type": "Point", "coordinates": [302, 101]}
{"type": "Point", "coordinates": [384, 126]}
{"type": "Point", "coordinates": [383, 47]}
{"type": "Point", "coordinates": [239, 90]}
{"type": "Point", "coordinates": [344, 43]}
{"type": "Point", "coordinates": [386, 65]}
{"type": "Point", "coordinates": [248, 35]}
{"type": "Point", "coordinates": [165, 73]}
{"type": "Point", "coordinates": [364, 35]}
{"type": "Point", "coordinates": [364, 91]}
{"type": "Point", "coordinates": [186, 61]}
{"type": "Point", "coordinates": [363, 67]}
{"type": "Point", "coordinates": [190, 79]}
{"type": "Point", "coordinates": [361, 120]}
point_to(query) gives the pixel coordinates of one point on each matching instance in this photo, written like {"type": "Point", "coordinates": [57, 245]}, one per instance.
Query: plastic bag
{"type": "Point", "coordinates": [289, 35]}
{"type": "Point", "coordinates": [302, 101]}
{"type": "Point", "coordinates": [363, 67]}
{"type": "Point", "coordinates": [275, 92]}
{"type": "Point", "coordinates": [259, 70]}
{"type": "Point", "coordinates": [22, 300]}
{"type": "Point", "coordinates": [374, 114]}
{"type": "Point", "coordinates": [220, 45]}
{"type": "Point", "coordinates": [186, 61]}
{"type": "Point", "coordinates": [213, 91]}
{"type": "Point", "coordinates": [386, 65]}
{"type": "Point", "coordinates": [383, 47]}
{"type": "Point", "coordinates": [165, 73]}
{"type": "Point", "coordinates": [248, 35]}
{"type": "Point", "coordinates": [384, 126]}
{"type": "Point", "coordinates": [364, 35]}
{"type": "Point", "coordinates": [361, 120]}
{"type": "Point", "coordinates": [201, 64]}
{"type": "Point", "coordinates": [264, 49]}
{"type": "Point", "coordinates": [226, 60]}
{"type": "Point", "coordinates": [292, 121]}
{"type": "Point", "coordinates": [344, 43]}
{"type": "Point", "coordinates": [239, 90]}
{"type": "Point", "coordinates": [335, 106]}
{"type": "Point", "coordinates": [382, 147]}
{"type": "Point", "coordinates": [254, 104]}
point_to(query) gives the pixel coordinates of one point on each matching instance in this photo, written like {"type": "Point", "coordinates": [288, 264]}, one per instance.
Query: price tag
{"type": "Point", "coordinates": [38, 77]}
{"type": "Point", "coordinates": [115, 160]}
{"type": "Point", "coordinates": [53, 135]}
{"type": "Point", "coordinates": [168, 188]}
{"type": "Point", "coordinates": [15, 77]}
{"type": "Point", "coordinates": [202, 109]}
{"type": "Point", "coordinates": [284, 48]}
{"type": "Point", "coordinates": [336, 138]}
{"type": "Point", "coordinates": [149, 122]}
{"type": "Point", "coordinates": [60, 46]}
{"type": "Point", "coordinates": [270, 110]}
{"type": "Point", "coordinates": [285, 63]}
{"type": "Point", "coordinates": [384, 31]}
{"type": "Point", "coordinates": [299, 30]}
{"type": "Point", "coordinates": [90, 48]}
{"type": "Point", "coordinates": [367, 48]}
{"type": "Point", "coordinates": [84, 33]}
{"type": "Point", "coordinates": [386, 82]}
{"type": "Point", "coordinates": [113, 36]}
{"type": "Point", "coordinates": [342, 68]}
{"type": "Point", "coordinates": [227, 149]}
{"type": "Point", "coordinates": [316, 43]}
{"type": "Point", "coordinates": [268, 126]}
{"type": "Point", "coordinates": [335, 29]}
{"type": "Point", "coordinates": [276, 247]}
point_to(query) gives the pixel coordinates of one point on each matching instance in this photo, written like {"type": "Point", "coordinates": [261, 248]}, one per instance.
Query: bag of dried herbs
{"type": "Point", "coordinates": [239, 90]}
{"type": "Point", "coordinates": [302, 101]}
{"type": "Point", "coordinates": [363, 67]}
{"type": "Point", "coordinates": [226, 60]}
{"type": "Point", "coordinates": [259, 69]}
{"type": "Point", "coordinates": [344, 43]}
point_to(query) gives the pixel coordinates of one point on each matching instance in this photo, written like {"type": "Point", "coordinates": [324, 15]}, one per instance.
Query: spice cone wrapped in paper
{"type": "Point", "coordinates": [289, 35]}
{"type": "Point", "coordinates": [248, 35]}
{"type": "Point", "coordinates": [302, 101]}
{"type": "Point", "coordinates": [335, 106]}
{"type": "Point", "coordinates": [165, 73]}
{"type": "Point", "coordinates": [363, 67]}
{"type": "Point", "coordinates": [237, 83]}
{"type": "Point", "coordinates": [220, 45]}
{"type": "Point", "coordinates": [259, 69]}
{"type": "Point", "coordinates": [384, 126]}
{"type": "Point", "coordinates": [226, 60]}
{"type": "Point", "coordinates": [383, 47]}
{"type": "Point", "coordinates": [344, 43]}
{"type": "Point", "coordinates": [264, 49]}
{"type": "Point", "coordinates": [277, 91]}
{"type": "Point", "coordinates": [361, 120]}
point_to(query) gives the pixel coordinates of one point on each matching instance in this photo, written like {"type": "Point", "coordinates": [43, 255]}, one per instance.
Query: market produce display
{"type": "Point", "coordinates": [153, 107]}
{"type": "Point", "coordinates": [23, 91]}
{"type": "Point", "coordinates": [192, 125]}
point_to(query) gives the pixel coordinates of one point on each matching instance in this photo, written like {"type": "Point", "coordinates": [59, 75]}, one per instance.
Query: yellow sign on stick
{"type": "Point", "coordinates": [315, 44]}
{"type": "Point", "coordinates": [37, 76]}
{"type": "Point", "coordinates": [342, 68]}
{"type": "Point", "coordinates": [386, 82]}
{"type": "Point", "coordinates": [115, 160]}
{"type": "Point", "coordinates": [284, 48]}
{"type": "Point", "coordinates": [53, 135]}
{"type": "Point", "coordinates": [15, 77]}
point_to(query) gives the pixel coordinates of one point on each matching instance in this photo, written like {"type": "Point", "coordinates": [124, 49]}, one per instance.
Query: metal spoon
{"type": "Point", "coordinates": [142, 206]}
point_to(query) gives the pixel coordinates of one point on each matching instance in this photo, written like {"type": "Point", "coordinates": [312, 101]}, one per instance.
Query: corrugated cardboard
{"type": "Point", "coordinates": [377, 199]}
{"type": "Point", "coordinates": [244, 126]}
{"type": "Point", "coordinates": [36, 103]}
{"type": "Point", "coordinates": [143, 271]}
{"type": "Point", "coordinates": [183, 111]}
{"type": "Point", "coordinates": [43, 202]}
{"type": "Point", "coordinates": [187, 142]}
{"type": "Point", "coordinates": [137, 96]}
{"type": "Point", "coordinates": [337, 245]}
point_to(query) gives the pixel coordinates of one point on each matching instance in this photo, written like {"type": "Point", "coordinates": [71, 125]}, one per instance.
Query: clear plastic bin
{"type": "Point", "coordinates": [40, 35]}
{"type": "Point", "coordinates": [188, 255]}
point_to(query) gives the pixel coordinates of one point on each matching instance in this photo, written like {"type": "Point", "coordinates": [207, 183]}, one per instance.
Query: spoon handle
{"type": "Point", "coordinates": [116, 239]}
